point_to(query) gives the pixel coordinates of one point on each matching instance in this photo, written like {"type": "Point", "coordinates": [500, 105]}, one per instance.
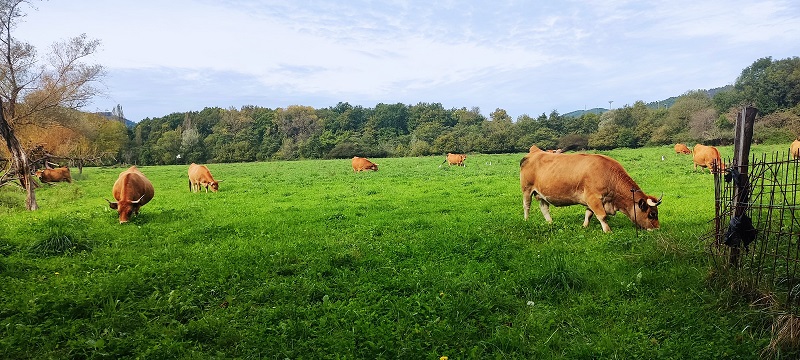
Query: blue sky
{"type": "Point", "coordinates": [527, 57]}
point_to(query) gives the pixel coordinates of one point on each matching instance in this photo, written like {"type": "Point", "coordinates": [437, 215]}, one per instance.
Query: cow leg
{"type": "Point", "coordinates": [526, 201]}
{"type": "Point", "coordinates": [596, 205]}
{"type": "Point", "coordinates": [588, 216]}
{"type": "Point", "coordinates": [545, 207]}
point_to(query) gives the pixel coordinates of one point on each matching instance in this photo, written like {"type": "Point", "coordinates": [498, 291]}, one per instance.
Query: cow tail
{"type": "Point", "coordinates": [190, 185]}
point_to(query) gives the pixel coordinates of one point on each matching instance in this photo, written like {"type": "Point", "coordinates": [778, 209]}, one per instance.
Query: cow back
{"type": "Point", "coordinates": [131, 185]}
{"type": "Point", "coordinates": [360, 164]}
{"type": "Point", "coordinates": [565, 178]}
{"type": "Point", "coordinates": [706, 156]}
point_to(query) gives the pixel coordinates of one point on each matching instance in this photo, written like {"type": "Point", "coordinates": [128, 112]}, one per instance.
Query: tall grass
{"type": "Point", "coordinates": [307, 259]}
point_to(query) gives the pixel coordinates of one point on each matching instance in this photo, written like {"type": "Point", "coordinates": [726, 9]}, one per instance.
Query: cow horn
{"type": "Point", "coordinates": [657, 202]}
{"type": "Point", "coordinates": [137, 201]}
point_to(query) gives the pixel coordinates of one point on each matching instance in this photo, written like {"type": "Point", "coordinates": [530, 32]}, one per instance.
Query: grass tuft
{"type": "Point", "coordinates": [785, 335]}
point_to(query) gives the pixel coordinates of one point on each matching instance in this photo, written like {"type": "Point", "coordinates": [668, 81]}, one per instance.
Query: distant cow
{"type": "Point", "coordinates": [708, 157]}
{"type": "Point", "coordinates": [131, 190]}
{"type": "Point", "coordinates": [455, 159]}
{"type": "Point", "coordinates": [361, 164]}
{"type": "Point", "coordinates": [795, 149]}
{"type": "Point", "coordinates": [596, 181]}
{"type": "Point", "coordinates": [54, 175]}
{"type": "Point", "coordinates": [199, 176]}
{"type": "Point", "coordinates": [682, 149]}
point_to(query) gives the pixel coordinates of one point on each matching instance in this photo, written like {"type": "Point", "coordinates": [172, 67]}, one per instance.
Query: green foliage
{"type": "Point", "coordinates": [306, 259]}
{"type": "Point", "coordinates": [397, 130]}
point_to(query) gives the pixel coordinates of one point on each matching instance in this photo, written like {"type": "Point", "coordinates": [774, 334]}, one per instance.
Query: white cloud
{"type": "Point", "coordinates": [524, 56]}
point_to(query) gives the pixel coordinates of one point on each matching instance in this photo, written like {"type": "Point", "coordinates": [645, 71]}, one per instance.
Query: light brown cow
{"type": "Point", "coordinates": [199, 176]}
{"type": "Point", "coordinates": [455, 159]}
{"type": "Point", "coordinates": [131, 190]}
{"type": "Point", "coordinates": [361, 164]}
{"type": "Point", "coordinates": [708, 157]}
{"type": "Point", "coordinates": [682, 149]}
{"type": "Point", "coordinates": [795, 149]}
{"type": "Point", "coordinates": [54, 175]}
{"type": "Point", "coordinates": [596, 181]}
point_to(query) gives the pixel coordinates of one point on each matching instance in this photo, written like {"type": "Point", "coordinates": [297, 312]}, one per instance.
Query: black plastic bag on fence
{"type": "Point", "coordinates": [740, 232]}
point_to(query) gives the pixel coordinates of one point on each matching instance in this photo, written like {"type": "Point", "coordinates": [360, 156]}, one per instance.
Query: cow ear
{"type": "Point", "coordinates": [643, 205]}
{"type": "Point", "coordinates": [112, 205]}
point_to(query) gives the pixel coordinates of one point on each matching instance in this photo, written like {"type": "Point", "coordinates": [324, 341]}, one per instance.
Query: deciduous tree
{"type": "Point", "coordinates": [29, 86]}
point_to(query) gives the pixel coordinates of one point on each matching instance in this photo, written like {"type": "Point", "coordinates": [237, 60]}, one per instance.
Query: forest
{"type": "Point", "coordinates": [254, 133]}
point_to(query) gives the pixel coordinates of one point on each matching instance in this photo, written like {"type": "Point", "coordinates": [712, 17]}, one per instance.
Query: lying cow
{"type": "Point", "coordinates": [708, 157]}
{"type": "Point", "coordinates": [361, 164]}
{"type": "Point", "coordinates": [595, 181]}
{"type": "Point", "coordinates": [795, 149]}
{"type": "Point", "coordinates": [131, 190]}
{"type": "Point", "coordinates": [682, 149]}
{"type": "Point", "coordinates": [54, 175]}
{"type": "Point", "coordinates": [199, 176]}
{"type": "Point", "coordinates": [455, 159]}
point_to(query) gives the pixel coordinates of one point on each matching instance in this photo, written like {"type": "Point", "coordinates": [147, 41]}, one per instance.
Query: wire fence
{"type": "Point", "coordinates": [757, 227]}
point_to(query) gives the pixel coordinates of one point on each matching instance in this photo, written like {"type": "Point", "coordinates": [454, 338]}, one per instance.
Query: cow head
{"type": "Point", "coordinates": [373, 167]}
{"type": "Point", "coordinates": [125, 208]}
{"type": "Point", "coordinates": [647, 212]}
{"type": "Point", "coordinates": [214, 185]}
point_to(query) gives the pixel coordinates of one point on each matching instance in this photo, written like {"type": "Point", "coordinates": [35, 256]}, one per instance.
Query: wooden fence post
{"type": "Point", "coordinates": [741, 161]}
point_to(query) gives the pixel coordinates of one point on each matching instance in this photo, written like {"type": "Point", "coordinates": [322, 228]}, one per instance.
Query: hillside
{"type": "Point", "coordinates": [652, 105]}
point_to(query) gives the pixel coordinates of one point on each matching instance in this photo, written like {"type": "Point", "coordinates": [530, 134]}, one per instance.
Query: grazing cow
{"type": "Point", "coordinates": [455, 159]}
{"type": "Point", "coordinates": [595, 181]}
{"type": "Point", "coordinates": [131, 190]}
{"type": "Point", "coordinates": [682, 149]}
{"type": "Point", "coordinates": [361, 164]}
{"type": "Point", "coordinates": [708, 157]}
{"type": "Point", "coordinates": [54, 175]}
{"type": "Point", "coordinates": [795, 149]}
{"type": "Point", "coordinates": [199, 176]}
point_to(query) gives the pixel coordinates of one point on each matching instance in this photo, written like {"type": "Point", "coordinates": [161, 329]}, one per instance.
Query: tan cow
{"type": "Point", "coordinates": [131, 190]}
{"type": "Point", "coordinates": [682, 149]}
{"type": "Point", "coordinates": [199, 176]}
{"type": "Point", "coordinates": [361, 164]}
{"type": "Point", "coordinates": [795, 149]}
{"type": "Point", "coordinates": [455, 159]}
{"type": "Point", "coordinates": [54, 175]}
{"type": "Point", "coordinates": [596, 181]}
{"type": "Point", "coordinates": [708, 157]}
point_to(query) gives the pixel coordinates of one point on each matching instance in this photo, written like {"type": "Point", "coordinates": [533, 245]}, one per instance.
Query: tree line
{"type": "Point", "coordinates": [253, 133]}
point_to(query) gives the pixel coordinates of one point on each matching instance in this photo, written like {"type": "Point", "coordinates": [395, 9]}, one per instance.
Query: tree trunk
{"type": "Point", "coordinates": [19, 162]}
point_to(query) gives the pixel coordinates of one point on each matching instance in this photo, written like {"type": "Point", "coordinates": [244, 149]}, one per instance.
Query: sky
{"type": "Point", "coordinates": [526, 57]}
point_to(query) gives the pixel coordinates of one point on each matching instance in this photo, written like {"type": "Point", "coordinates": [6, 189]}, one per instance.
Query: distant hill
{"type": "Point", "coordinates": [108, 115]}
{"type": "Point", "coordinates": [666, 103]}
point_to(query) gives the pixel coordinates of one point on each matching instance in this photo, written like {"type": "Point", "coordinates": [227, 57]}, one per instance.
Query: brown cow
{"type": "Point", "coordinates": [361, 164]}
{"type": "Point", "coordinates": [795, 149]}
{"type": "Point", "coordinates": [199, 176]}
{"type": "Point", "coordinates": [455, 159]}
{"type": "Point", "coordinates": [54, 175]}
{"type": "Point", "coordinates": [131, 190]}
{"type": "Point", "coordinates": [595, 181]}
{"type": "Point", "coordinates": [708, 157]}
{"type": "Point", "coordinates": [682, 149]}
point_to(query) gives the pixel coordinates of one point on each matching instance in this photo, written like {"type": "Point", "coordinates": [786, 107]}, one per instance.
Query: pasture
{"type": "Point", "coordinates": [307, 260]}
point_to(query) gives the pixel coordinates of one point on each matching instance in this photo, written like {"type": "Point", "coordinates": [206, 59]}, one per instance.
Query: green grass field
{"type": "Point", "coordinates": [308, 260]}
